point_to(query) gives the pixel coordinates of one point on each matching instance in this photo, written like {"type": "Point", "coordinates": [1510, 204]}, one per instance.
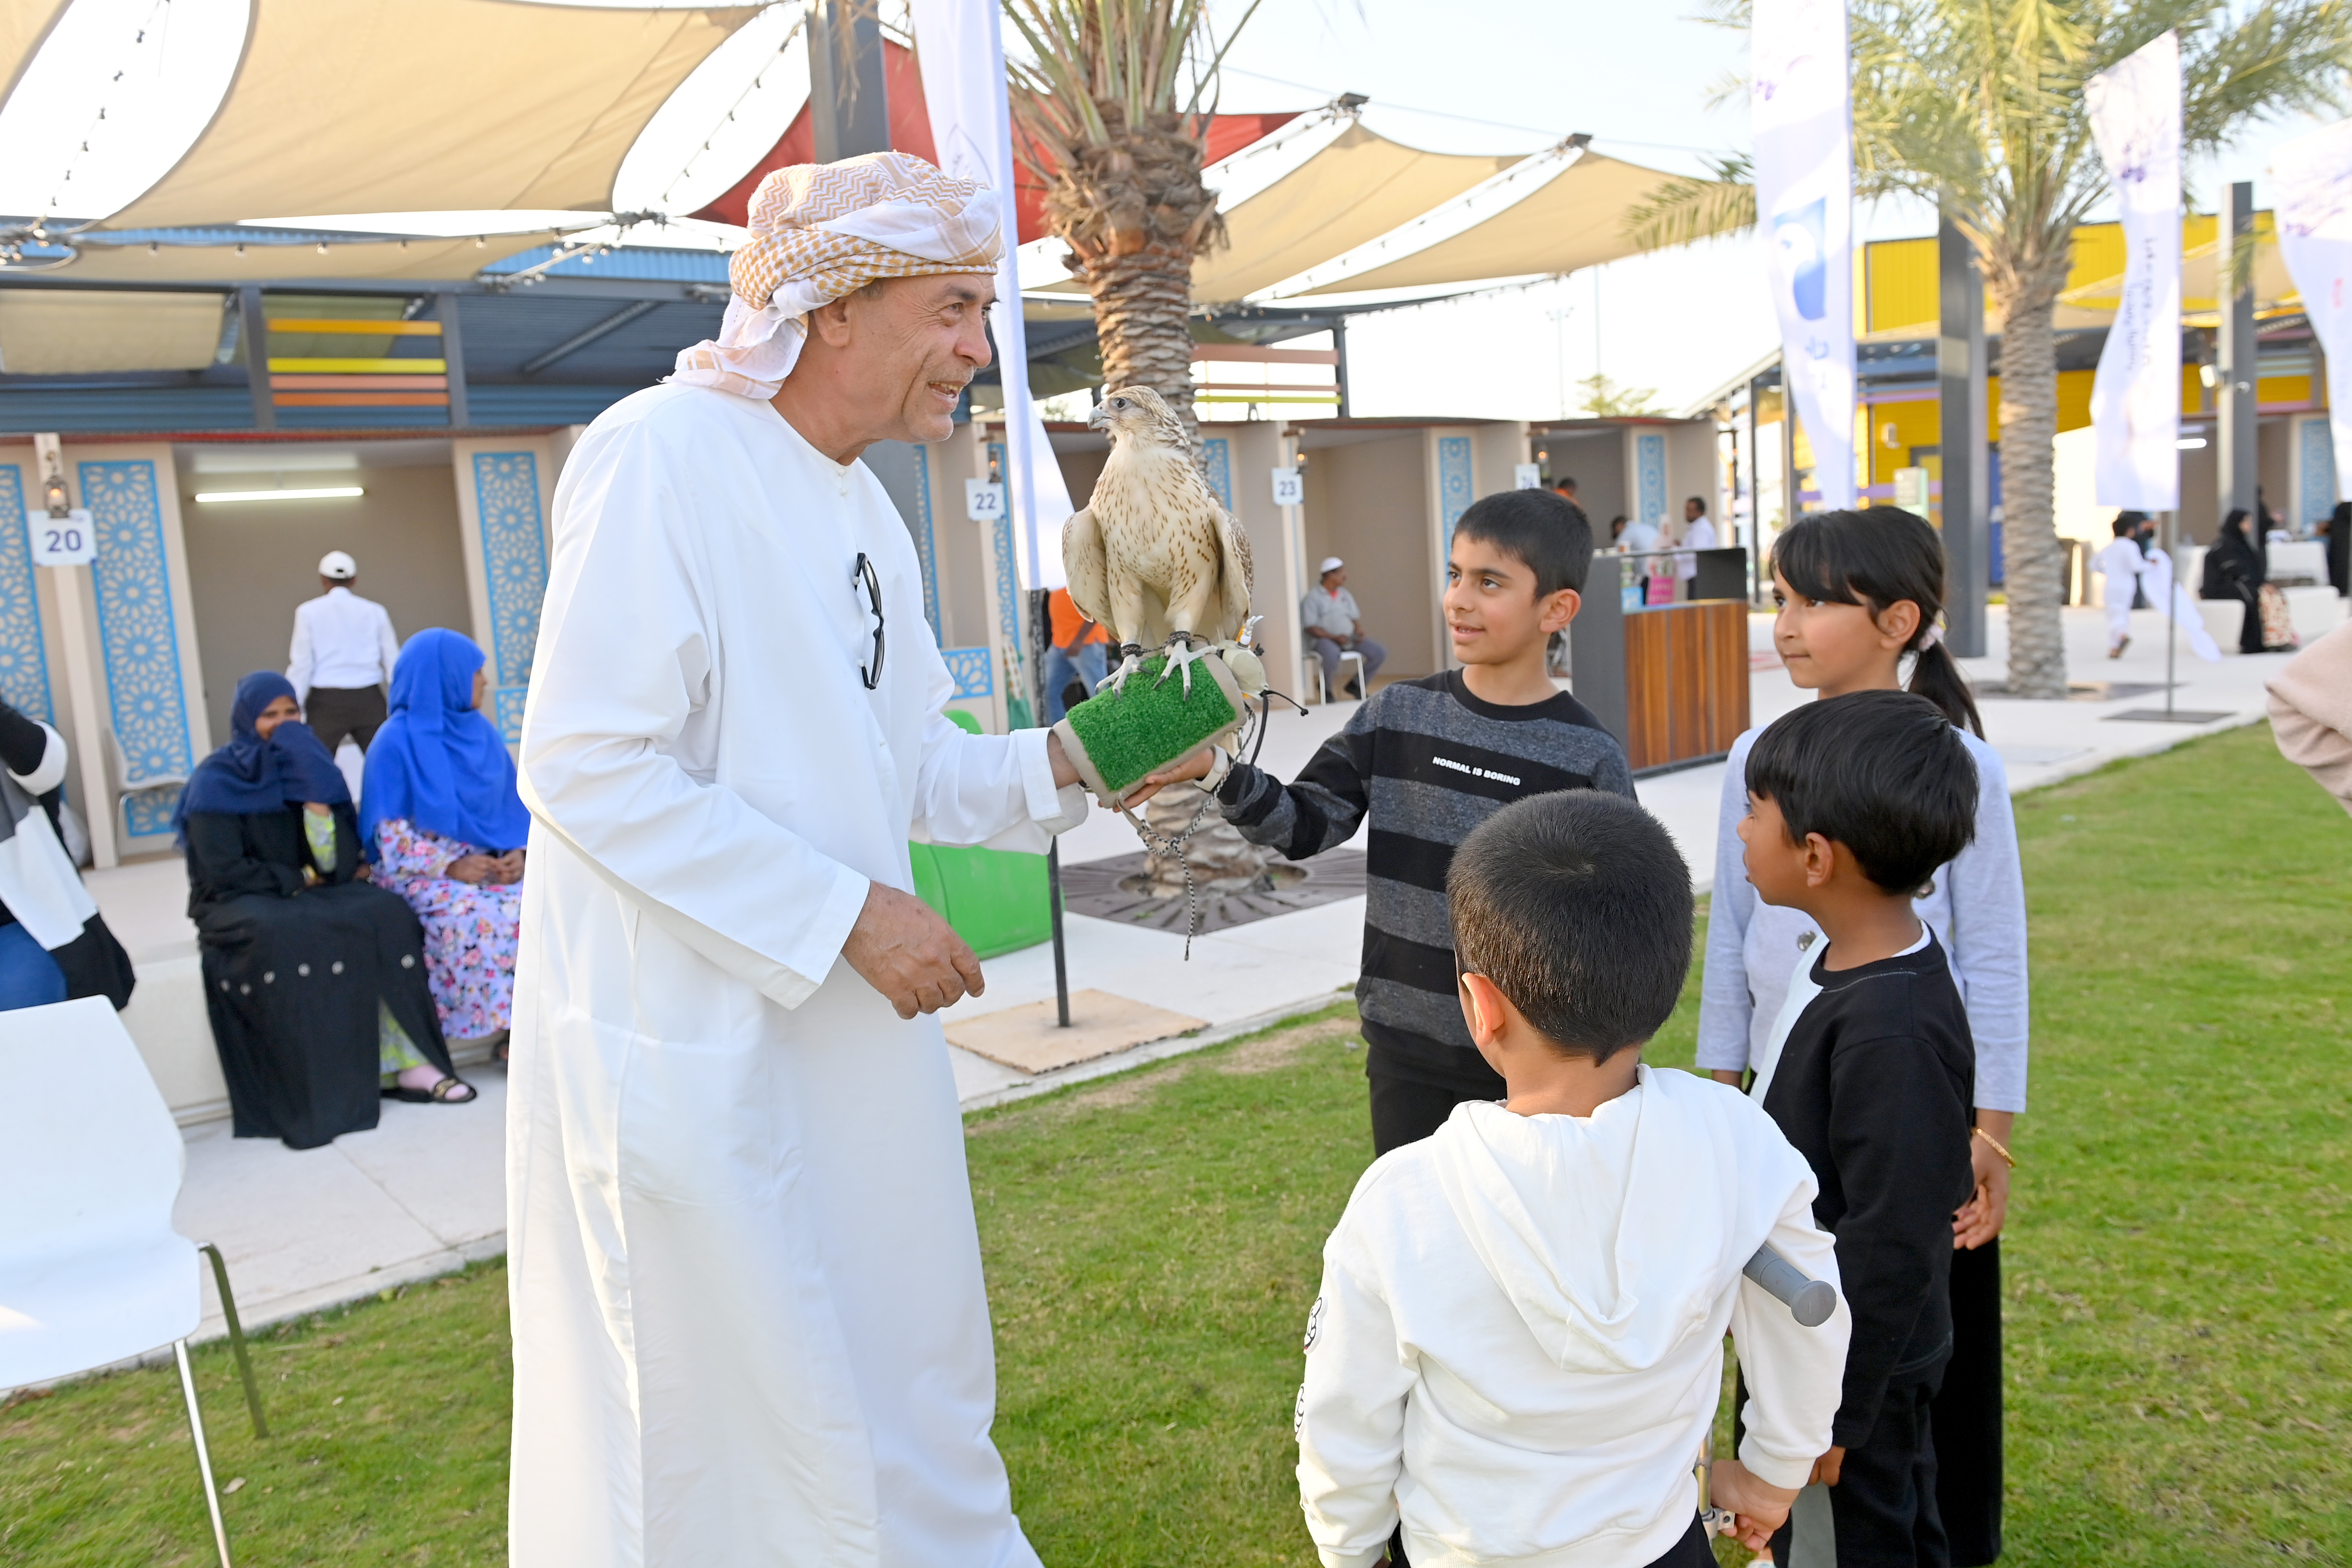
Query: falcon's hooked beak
{"type": "Point", "coordinates": [1100, 419]}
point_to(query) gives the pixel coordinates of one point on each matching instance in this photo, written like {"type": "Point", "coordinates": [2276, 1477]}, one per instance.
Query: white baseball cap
{"type": "Point", "coordinates": [1330, 563]}
{"type": "Point", "coordinates": [335, 563]}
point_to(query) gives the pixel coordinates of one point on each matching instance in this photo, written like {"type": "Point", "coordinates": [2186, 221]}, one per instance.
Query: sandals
{"type": "Point", "coordinates": [445, 1093]}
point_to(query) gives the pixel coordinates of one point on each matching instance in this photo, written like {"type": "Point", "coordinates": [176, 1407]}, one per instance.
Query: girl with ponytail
{"type": "Point", "coordinates": [1859, 593]}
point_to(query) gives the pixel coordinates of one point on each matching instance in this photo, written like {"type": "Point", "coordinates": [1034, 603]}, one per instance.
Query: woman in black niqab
{"type": "Point", "coordinates": [315, 982]}
{"type": "Point", "coordinates": [2235, 568]}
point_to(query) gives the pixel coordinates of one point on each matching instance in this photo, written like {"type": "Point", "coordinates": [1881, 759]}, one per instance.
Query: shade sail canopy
{"type": "Point", "coordinates": [23, 24]}
{"type": "Point", "coordinates": [418, 260]}
{"type": "Point", "coordinates": [62, 331]}
{"type": "Point", "coordinates": [1555, 213]}
{"type": "Point", "coordinates": [1356, 189]}
{"type": "Point", "coordinates": [405, 105]}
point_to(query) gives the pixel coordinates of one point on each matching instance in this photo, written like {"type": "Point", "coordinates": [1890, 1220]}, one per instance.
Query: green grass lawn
{"type": "Point", "coordinates": [2177, 1261]}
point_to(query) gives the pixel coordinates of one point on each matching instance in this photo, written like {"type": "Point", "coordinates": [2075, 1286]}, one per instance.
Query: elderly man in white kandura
{"type": "Point", "coordinates": [750, 1326]}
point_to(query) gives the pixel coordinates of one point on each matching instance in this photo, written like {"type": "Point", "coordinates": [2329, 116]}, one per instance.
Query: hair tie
{"type": "Point", "coordinates": [1930, 638]}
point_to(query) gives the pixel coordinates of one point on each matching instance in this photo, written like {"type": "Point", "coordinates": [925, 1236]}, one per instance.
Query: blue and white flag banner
{"type": "Point", "coordinates": [2311, 196]}
{"type": "Point", "coordinates": [1802, 118]}
{"type": "Point", "coordinates": [962, 47]}
{"type": "Point", "coordinates": [2135, 108]}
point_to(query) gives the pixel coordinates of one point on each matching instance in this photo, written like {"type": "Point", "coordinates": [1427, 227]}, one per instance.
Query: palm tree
{"type": "Point", "coordinates": [1977, 106]}
{"type": "Point", "coordinates": [1108, 111]}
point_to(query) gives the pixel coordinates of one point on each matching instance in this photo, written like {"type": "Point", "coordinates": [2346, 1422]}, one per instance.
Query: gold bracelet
{"type": "Point", "coordinates": [1997, 1147]}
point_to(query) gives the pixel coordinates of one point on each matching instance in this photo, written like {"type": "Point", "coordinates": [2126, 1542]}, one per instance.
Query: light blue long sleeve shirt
{"type": "Point", "coordinates": [1976, 907]}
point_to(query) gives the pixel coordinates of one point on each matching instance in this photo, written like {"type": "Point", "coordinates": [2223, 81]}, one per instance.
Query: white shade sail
{"type": "Point", "coordinates": [23, 24]}
{"type": "Point", "coordinates": [1571, 216]}
{"type": "Point", "coordinates": [400, 105]}
{"type": "Point", "coordinates": [59, 332]}
{"type": "Point", "coordinates": [1355, 190]}
{"type": "Point", "coordinates": [418, 260]}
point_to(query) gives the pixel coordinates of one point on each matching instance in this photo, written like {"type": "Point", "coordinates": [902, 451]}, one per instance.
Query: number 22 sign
{"type": "Point", "coordinates": [66, 540]}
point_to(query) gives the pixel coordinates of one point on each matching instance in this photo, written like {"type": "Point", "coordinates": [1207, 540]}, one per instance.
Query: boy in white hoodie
{"type": "Point", "coordinates": [1518, 1346]}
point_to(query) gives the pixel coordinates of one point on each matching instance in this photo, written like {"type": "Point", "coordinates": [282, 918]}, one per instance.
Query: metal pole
{"type": "Point", "coordinates": [1790, 506]}
{"type": "Point", "coordinates": [1755, 495]}
{"type": "Point", "coordinates": [254, 325]}
{"type": "Point", "coordinates": [453, 352]}
{"type": "Point", "coordinates": [1060, 965]}
{"type": "Point", "coordinates": [2171, 594]}
{"type": "Point", "coordinates": [1961, 386]}
{"type": "Point", "coordinates": [2236, 435]}
{"type": "Point", "coordinates": [849, 111]}
{"type": "Point", "coordinates": [1339, 346]}
{"type": "Point", "coordinates": [204, 1455]}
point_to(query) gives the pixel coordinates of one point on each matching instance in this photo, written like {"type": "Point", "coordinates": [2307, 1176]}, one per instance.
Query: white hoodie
{"type": "Point", "coordinates": [1519, 1341]}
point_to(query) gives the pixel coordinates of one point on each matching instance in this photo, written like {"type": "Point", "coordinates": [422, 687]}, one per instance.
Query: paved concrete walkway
{"type": "Point", "coordinates": [425, 1191]}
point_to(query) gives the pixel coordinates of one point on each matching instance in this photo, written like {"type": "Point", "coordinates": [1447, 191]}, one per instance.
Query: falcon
{"type": "Point", "coordinates": [1153, 556]}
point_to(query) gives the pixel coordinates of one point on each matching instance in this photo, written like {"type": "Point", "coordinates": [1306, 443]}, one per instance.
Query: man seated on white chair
{"type": "Point", "coordinates": [1335, 625]}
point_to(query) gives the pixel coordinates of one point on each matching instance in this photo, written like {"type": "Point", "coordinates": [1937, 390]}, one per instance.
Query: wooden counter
{"type": "Point", "coordinates": [1670, 681]}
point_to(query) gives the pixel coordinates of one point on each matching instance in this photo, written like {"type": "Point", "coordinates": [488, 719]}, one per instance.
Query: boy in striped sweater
{"type": "Point", "coordinates": [1428, 761]}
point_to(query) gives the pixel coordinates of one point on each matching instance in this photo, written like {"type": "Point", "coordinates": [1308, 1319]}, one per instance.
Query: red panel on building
{"type": "Point", "coordinates": [910, 131]}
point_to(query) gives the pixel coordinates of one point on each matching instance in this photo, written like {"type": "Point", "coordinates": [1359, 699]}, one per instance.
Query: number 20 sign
{"type": "Point", "coordinates": [66, 540]}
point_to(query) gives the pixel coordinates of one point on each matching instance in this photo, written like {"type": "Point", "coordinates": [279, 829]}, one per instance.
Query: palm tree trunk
{"type": "Point", "coordinates": [2032, 562]}
{"type": "Point", "coordinates": [1142, 301]}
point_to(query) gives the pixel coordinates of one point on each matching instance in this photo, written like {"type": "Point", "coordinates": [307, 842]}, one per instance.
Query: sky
{"type": "Point", "coordinates": [1469, 76]}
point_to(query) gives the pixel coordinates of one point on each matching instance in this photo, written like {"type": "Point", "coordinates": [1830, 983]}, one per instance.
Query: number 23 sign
{"type": "Point", "coordinates": [66, 540]}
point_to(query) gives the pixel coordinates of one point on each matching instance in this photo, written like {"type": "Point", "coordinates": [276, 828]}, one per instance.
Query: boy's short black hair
{"type": "Point", "coordinates": [1541, 528]}
{"type": "Point", "coordinates": [1882, 773]}
{"type": "Point", "coordinates": [1577, 905]}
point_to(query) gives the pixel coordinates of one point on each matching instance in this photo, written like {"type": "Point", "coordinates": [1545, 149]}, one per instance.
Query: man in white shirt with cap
{"type": "Point", "coordinates": [1334, 625]}
{"type": "Point", "coordinates": [342, 656]}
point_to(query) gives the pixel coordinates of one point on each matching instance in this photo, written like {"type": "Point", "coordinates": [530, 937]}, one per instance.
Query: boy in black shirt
{"type": "Point", "coordinates": [1428, 761]}
{"type": "Point", "coordinates": [1853, 803]}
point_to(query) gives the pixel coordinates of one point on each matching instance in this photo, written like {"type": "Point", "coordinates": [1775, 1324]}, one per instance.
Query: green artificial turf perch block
{"type": "Point", "coordinates": [1115, 738]}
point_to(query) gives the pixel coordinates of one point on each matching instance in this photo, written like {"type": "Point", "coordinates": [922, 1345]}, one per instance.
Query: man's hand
{"type": "Point", "coordinates": [1194, 764]}
{"type": "Point", "coordinates": [1828, 1467]}
{"type": "Point", "coordinates": [1981, 1217]}
{"type": "Point", "coordinates": [1760, 1507]}
{"type": "Point", "coordinates": [910, 955]}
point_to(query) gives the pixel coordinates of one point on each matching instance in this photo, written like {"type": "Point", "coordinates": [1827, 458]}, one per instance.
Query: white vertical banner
{"type": "Point", "coordinates": [2311, 196]}
{"type": "Point", "coordinates": [2135, 108]}
{"type": "Point", "coordinates": [961, 50]}
{"type": "Point", "coordinates": [1801, 116]}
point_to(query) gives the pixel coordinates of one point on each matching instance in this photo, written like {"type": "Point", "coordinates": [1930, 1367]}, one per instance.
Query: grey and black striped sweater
{"type": "Point", "coordinates": [1427, 762]}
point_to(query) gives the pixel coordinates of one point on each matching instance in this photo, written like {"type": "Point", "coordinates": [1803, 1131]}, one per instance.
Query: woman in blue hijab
{"type": "Point", "coordinates": [442, 821]}
{"type": "Point", "coordinates": [315, 980]}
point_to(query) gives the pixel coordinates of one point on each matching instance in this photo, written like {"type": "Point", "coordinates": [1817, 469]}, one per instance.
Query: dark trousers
{"type": "Point", "coordinates": [1967, 1413]}
{"type": "Point", "coordinates": [335, 711]}
{"type": "Point", "coordinates": [1406, 1112]}
{"type": "Point", "coordinates": [1881, 1513]}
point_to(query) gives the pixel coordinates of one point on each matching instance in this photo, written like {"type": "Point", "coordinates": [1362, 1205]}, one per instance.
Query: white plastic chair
{"type": "Point", "coordinates": [1322, 691]}
{"type": "Point", "coordinates": [91, 1271]}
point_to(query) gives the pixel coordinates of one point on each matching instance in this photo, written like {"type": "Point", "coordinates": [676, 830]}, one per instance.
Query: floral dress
{"type": "Point", "coordinates": [470, 930]}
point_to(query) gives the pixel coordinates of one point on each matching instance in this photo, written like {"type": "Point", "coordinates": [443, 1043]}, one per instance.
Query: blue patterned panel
{"type": "Point", "coordinates": [1649, 477]}
{"type": "Point", "coordinates": [1217, 461]}
{"type": "Point", "coordinates": [514, 565]}
{"type": "Point", "coordinates": [926, 549]}
{"type": "Point", "coordinates": [146, 698]}
{"type": "Point", "coordinates": [2317, 462]}
{"type": "Point", "coordinates": [24, 665]}
{"type": "Point", "coordinates": [1452, 482]}
{"type": "Point", "coordinates": [974, 671]}
{"type": "Point", "coordinates": [1008, 581]}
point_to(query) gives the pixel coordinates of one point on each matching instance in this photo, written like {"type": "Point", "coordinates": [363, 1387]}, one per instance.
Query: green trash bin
{"type": "Point", "coordinates": [995, 899]}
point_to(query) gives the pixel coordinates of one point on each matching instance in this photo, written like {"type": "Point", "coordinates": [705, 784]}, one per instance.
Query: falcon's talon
{"type": "Point", "coordinates": [1180, 660]}
{"type": "Point", "coordinates": [1117, 678]}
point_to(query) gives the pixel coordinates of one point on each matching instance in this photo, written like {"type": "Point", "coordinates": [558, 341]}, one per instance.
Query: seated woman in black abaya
{"type": "Point", "coordinates": [315, 982]}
